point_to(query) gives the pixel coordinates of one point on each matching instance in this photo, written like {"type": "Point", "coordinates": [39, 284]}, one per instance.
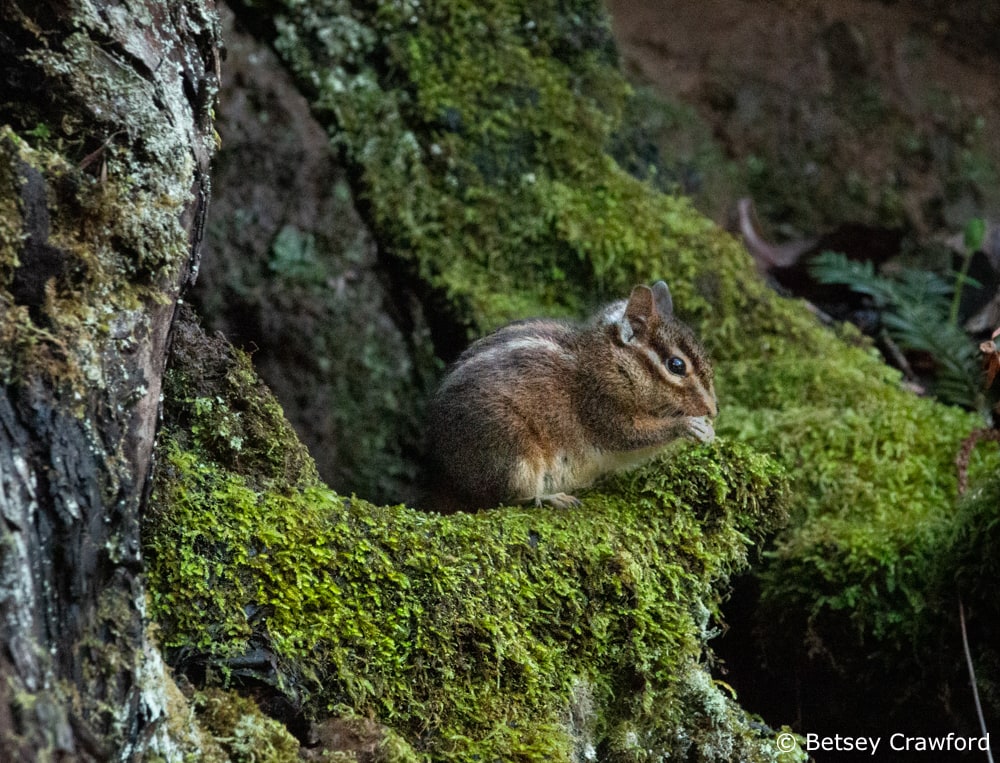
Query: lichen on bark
{"type": "Point", "coordinates": [104, 160]}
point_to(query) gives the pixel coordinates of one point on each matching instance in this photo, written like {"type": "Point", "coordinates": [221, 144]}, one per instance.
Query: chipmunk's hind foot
{"type": "Point", "coordinates": [558, 500]}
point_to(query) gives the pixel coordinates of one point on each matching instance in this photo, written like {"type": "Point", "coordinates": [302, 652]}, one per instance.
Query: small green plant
{"type": "Point", "coordinates": [975, 231]}
{"type": "Point", "coordinates": [919, 314]}
{"type": "Point", "coordinates": [40, 131]}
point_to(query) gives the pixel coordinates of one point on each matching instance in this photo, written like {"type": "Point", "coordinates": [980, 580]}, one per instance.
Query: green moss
{"type": "Point", "coordinates": [242, 730]}
{"type": "Point", "coordinates": [467, 164]}
{"type": "Point", "coordinates": [874, 479]}
{"type": "Point", "coordinates": [469, 634]}
{"type": "Point", "coordinates": [222, 408]}
{"type": "Point", "coordinates": [468, 630]}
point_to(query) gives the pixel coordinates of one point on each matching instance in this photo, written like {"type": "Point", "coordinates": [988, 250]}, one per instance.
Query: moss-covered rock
{"type": "Point", "coordinates": [851, 594]}
{"type": "Point", "coordinates": [480, 159]}
{"type": "Point", "coordinates": [475, 135]}
{"type": "Point", "coordinates": [514, 634]}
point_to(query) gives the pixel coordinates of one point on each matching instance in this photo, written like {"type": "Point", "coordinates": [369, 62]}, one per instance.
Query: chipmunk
{"type": "Point", "coordinates": [542, 407]}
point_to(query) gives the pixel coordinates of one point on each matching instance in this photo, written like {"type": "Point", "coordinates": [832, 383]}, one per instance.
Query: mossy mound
{"type": "Point", "coordinates": [476, 135]}
{"type": "Point", "coordinates": [477, 138]}
{"type": "Point", "coordinates": [850, 594]}
{"type": "Point", "coordinates": [513, 634]}
{"type": "Point", "coordinates": [874, 480]}
{"type": "Point", "coordinates": [966, 569]}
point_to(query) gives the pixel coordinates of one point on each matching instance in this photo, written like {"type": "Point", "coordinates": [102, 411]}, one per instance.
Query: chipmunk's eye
{"type": "Point", "coordinates": [676, 366]}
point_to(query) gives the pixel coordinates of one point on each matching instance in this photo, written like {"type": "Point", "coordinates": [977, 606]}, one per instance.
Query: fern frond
{"type": "Point", "coordinates": [915, 312]}
{"type": "Point", "coordinates": [925, 287]}
{"type": "Point", "coordinates": [860, 276]}
{"type": "Point", "coordinates": [925, 328]}
{"type": "Point", "coordinates": [919, 326]}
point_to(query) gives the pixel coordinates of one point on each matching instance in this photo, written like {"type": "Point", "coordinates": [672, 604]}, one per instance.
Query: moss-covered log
{"type": "Point", "coordinates": [511, 634]}
{"type": "Point", "coordinates": [105, 138]}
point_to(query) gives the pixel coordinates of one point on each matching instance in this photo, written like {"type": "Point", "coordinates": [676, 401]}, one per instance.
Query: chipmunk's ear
{"type": "Point", "coordinates": [639, 311]}
{"type": "Point", "coordinates": [664, 302]}
{"type": "Point", "coordinates": [643, 305]}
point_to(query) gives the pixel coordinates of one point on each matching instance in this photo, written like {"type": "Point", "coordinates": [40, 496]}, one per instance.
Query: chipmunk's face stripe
{"type": "Point", "coordinates": [707, 393]}
{"type": "Point", "coordinates": [700, 383]}
{"type": "Point", "coordinates": [690, 380]}
{"type": "Point", "coordinates": [658, 364]}
{"type": "Point", "coordinates": [655, 362]}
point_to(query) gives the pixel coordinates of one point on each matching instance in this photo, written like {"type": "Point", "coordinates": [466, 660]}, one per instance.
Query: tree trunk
{"type": "Point", "coordinates": [105, 139]}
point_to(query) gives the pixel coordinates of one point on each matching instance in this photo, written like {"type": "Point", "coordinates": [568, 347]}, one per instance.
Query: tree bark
{"type": "Point", "coordinates": [105, 139]}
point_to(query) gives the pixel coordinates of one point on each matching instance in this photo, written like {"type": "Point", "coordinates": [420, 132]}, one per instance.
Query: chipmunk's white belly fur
{"type": "Point", "coordinates": [564, 472]}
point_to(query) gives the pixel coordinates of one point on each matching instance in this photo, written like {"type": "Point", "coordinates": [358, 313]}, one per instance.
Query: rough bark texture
{"type": "Point", "coordinates": [105, 138]}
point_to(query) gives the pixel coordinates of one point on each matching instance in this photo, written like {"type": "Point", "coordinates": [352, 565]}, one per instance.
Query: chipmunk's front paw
{"type": "Point", "coordinates": [559, 500]}
{"type": "Point", "coordinates": [701, 429]}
